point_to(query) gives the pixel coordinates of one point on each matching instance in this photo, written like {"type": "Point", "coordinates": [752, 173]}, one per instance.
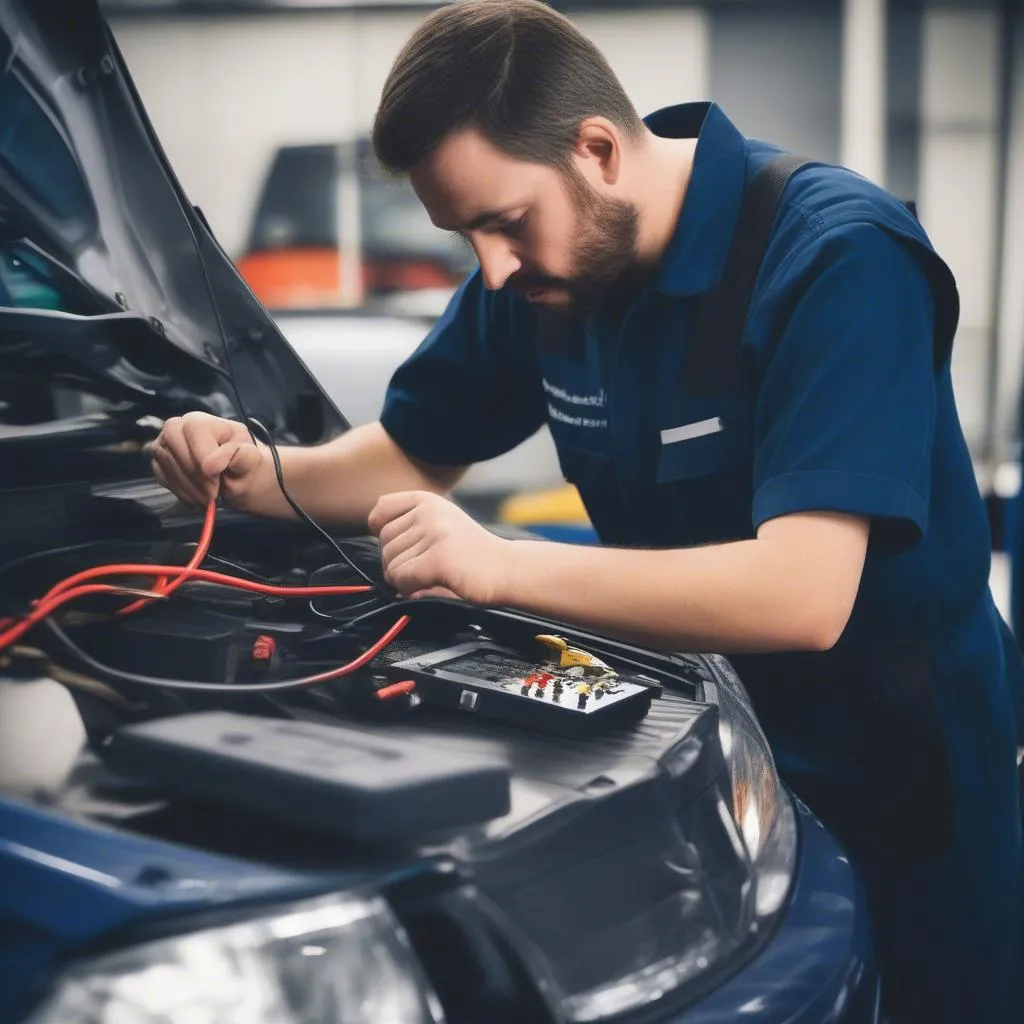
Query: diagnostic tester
{"type": "Point", "coordinates": [565, 691]}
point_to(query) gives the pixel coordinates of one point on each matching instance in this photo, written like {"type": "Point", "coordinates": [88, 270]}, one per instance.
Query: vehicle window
{"type": "Point", "coordinates": [298, 244]}
{"type": "Point", "coordinates": [298, 207]}
{"type": "Point", "coordinates": [395, 225]}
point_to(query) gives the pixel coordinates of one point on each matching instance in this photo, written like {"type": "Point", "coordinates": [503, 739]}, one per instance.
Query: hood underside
{"type": "Point", "coordinates": [109, 278]}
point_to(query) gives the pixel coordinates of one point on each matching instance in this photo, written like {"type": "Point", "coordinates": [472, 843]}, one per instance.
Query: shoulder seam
{"type": "Point", "coordinates": [820, 226]}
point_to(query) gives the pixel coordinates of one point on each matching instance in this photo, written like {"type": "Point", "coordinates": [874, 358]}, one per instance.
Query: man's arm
{"type": "Point", "coordinates": [198, 456]}
{"type": "Point", "coordinates": [792, 588]}
{"type": "Point", "coordinates": [341, 481]}
{"type": "Point", "coordinates": [469, 393]}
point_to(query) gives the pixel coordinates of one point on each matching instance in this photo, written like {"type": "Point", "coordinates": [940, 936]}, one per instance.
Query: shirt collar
{"type": "Point", "coordinates": [695, 256]}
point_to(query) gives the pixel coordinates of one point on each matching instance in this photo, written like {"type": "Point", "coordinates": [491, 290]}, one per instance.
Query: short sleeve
{"type": "Point", "coordinates": [471, 391]}
{"type": "Point", "coordinates": [845, 416]}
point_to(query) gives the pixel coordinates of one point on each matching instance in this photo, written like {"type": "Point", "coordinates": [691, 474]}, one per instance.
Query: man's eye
{"type": "Point", "coordinates": [513, 227]}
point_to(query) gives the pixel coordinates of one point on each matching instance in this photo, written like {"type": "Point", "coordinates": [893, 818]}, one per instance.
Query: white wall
{"type": "Point", "coordinates": [776, 75]}
{"type": "Point", "coordinates": [957, 200]}
{"type": "Point", "coordinates": [1011, 313]}
{"type": "Point", "coordinates": [224, 92]}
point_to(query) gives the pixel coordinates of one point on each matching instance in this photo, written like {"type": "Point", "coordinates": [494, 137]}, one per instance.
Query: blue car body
{"type": "Point", "coordinates": [66, 887]}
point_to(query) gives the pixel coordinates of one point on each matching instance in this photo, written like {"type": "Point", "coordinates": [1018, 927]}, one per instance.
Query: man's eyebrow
{"type": "Point", "coordinates": [486, 217]}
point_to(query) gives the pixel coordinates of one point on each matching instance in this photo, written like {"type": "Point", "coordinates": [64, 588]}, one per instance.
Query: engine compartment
{"type": "Point", "coordinates": [642, 809]}
{"type": "Point", "coordinates": [211, 639]}
{"type": "Point", "coordinates": [213, 646]}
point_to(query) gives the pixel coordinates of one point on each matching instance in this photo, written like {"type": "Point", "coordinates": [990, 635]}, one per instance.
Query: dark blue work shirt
{"type": "Point", "coordinates": [903, 737]}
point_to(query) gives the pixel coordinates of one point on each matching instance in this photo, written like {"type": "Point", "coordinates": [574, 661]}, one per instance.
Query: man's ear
{"type": "Point", "coordinates": [598, 150]}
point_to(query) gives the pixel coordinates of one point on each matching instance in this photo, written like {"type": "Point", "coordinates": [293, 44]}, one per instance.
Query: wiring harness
{"type": "Point", "coordinates": [166, 580]}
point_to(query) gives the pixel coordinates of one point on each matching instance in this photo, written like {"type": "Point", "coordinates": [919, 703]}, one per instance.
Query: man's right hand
{"type": "Point", "coordinates": [198, 456]}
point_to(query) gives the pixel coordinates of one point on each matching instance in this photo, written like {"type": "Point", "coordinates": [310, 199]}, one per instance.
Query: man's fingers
{"type": "Point", "coordinates": [400, 544]}
{"type": "Point", "coordinates": [411, 569]}
{"type": "Point", "coordinates": [223, 430]}
{"type": "Point", "coordinates": [197, 453]}
{"type": "Point", "coordinates": [172, 439]}
{"type": "Point", "coordinates": [183, 494]}
{"type": "Point", "coordinates": [158, 473]}
{"type": "Point", "coordinates": [204, 435]}
{"type": "Point", "coordinates": [187, 487]}
{"type": "Point", "coordinates": [393, 506]}
{"type": "Point", "coordinates": [435, 592]}
{"type": "Point", "coordinates": [395, 528]}
{"type": "Point", "coordinates": [176, 479]}
{"type": "Point", "coordinates": [413, 547]}
{"type": "Point", "coordinates": [235, 458]}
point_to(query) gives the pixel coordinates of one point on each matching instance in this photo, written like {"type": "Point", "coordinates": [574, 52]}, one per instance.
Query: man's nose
{"type": "Point", "coordinates": [497, 262]}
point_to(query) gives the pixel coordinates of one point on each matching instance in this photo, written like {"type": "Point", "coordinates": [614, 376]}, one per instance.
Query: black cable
{"type": "Point", "coordinates": [113, 675]}
{"type": "Point", "coordinates": [67, 549]}
{"type": "Point", "coordinates": [251, 421]}
{"type": "Point", "coordinates": [348, 618]}
{"type": "Point", "coordinates": [238, 568]}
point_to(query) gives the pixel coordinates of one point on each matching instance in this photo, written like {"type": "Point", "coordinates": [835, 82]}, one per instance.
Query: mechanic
{"type": "Point", "coordinates": [818, 519]}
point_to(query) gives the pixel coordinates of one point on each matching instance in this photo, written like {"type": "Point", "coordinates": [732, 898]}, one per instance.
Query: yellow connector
{"type": "Point", "coordinates": [555, 644]}
{"type": "Point", "coordinates": [574, 656]}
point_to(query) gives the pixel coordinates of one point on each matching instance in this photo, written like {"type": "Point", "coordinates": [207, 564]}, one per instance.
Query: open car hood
{"type": "Point", "coordinates": [111, 283]}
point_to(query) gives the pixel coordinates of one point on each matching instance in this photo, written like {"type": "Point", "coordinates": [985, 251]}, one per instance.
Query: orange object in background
{"type": "Point", "coordinates": [294, 278]}
{"type": "Point", "coordinates": [325, 206]}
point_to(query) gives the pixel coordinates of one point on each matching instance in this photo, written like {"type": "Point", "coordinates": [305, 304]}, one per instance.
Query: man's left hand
{"type": "Point", "coordinates": [429, 546]}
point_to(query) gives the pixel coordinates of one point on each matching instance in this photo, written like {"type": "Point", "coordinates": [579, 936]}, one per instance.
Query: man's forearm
{"type": "Point", "coordinates": [339, 482]}
{"type": "Point", "coordinates": [746, 596]}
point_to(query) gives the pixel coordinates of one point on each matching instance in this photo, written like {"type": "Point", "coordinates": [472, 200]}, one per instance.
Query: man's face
{"type": "Point", "coordinates": [545, 233]}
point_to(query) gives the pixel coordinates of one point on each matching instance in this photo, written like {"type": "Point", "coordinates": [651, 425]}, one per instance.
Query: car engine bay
{"type": "Point", "coordinates": [312, 730]}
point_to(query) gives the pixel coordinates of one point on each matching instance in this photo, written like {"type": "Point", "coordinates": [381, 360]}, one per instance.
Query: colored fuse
{"type": "Point", "coordinates": [540, 679]}
{"type": "Point", "coordinates": [263, 647]}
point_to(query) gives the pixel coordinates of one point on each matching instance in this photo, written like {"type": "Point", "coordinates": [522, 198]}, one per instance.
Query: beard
{"type": "Point", "coordinates": [605, 270]}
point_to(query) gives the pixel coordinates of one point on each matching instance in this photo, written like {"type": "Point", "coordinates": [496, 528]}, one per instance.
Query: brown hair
{"type": "Point", "coordinates": [520, 73]}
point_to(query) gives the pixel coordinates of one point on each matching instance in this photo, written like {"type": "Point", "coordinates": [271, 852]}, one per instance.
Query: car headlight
{"type": "Point", "coordinates": [760, 806]}
{"type": "Point", "coordinates": [715, 872]}
{"type": "Point", "coordinates": [342, 959]}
